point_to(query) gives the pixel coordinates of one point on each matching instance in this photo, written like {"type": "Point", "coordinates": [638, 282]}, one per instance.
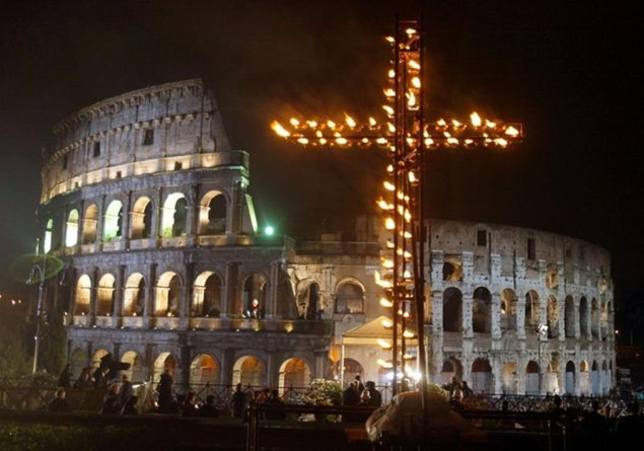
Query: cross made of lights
{"type": "Point", "coordinates": [406, 135]}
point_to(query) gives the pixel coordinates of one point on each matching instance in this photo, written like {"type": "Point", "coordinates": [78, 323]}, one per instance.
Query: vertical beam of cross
{"type": "Point", "coordinates": [406, 135]}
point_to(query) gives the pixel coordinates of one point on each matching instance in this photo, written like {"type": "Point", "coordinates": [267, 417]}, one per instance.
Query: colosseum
{"type": "Point", "coordinates": [166, 267]}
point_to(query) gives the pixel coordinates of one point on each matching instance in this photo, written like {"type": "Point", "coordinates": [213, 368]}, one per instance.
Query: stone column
{"type": "Point", "coordinates": [437, 312]}
{"type": "Point", "coordinates": [230, 290]}
{"type": "Point", "coordinates": [125, 222]}
{"type": "Point", "coordinates": [320, 363]}
{"type": "Point", "coordinates": [184, 306]}
{"type": "Point", "coordinates": [272, 309]}
{"type": "Point", "coordinates": [227, 362]}
{"type": "Point", "coordinates": [577, 318]}
{"type": "Point", "coordinates": [93, 295]}
{"type": "Point", "coordinates": [496, 316]}
{"type": "Point", "coordinates": [521, 373]}
{"type": "Point", "coordinates": [100, 223]}
{"type": "Point", "coordinates": [520, 316]}
{"type": "Point", "coordinates": [497, 371]}
{"type": "Point", "coordinates": [81, 223]}
{"type": "Point", "coordinates": [467, 312]}
{"type": "Point", "coordinates": [148, 300]}
{"type": "Point", "coordinates": [155, 231]}
{"type": "Point", "coordinates": [192, 215]}
{"type": "Point", "coordinates": [117, 308]}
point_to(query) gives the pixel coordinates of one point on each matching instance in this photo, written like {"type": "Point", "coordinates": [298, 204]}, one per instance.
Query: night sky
{"type": "Point", "coordinates": [568, 73]}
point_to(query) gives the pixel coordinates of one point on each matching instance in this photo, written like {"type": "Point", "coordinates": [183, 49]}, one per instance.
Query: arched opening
{"type": "Point", "coordinates": [105, 295]}
{"type": "Point", "coordinates": [212, 214]}
{"type": "Point", "coordinates": [532, 378]}
{"type": "Point", "coordinates": [482, 311]}
{"type": "Point", "coordinates": [352, 368]}
{"type": "Point", "coordinates": [142, 218]}
{"type": "Point", "coordinates": [83, 295]}
{"type": "Point", "coordinates": [308, 301]}
{"type": "Point", "coordinates": [583, 317]}
{"type": "Point", "coordinates": [349, 298]}
{"type": "Point", "coordinates": [508, 310]}
{"type": "Point", "coordinates": [134, 295]}
{"type": "Point", "coordinates": [174, 216]}
{"type": "Point", "coordinates": [481, 376]}
{"type": "Point", "coordinates": [531, 310]}
{"type": "Point", "coordinates": [165, 361]}
{"type": "Point", "coordinates": [294, 373]}
{"type": "Point", "coordinates": [569, 317]}
{"type": "Point", "coordinates": [584, 377]}
{"type": "Point", "coordinates": [77, 361]}
{"type": "Point", "coordinates": [509, 378]}
{"type": "Point", "coordinates": [168, 295]}
{"type": "Point", "coordinates": [594, 318]}
{"type": "Point", "coordinates": [48, 236]}
{"type": "Point", "coordinates": [452, 368]}
{"type": "Point", "coordinates": [452, 270]}
{"type": "Point", "coordinates": [135, 372]}
{"type": "Point", "coordinates": [606, 378]}
{"type": "Point", "coordinates": [603, 320]}
{"type": "Point", "coordinates": [71, 233]}
{"type": "Point", "coordinates": [249, 370]}
{"type": "Point", "coordinates": [452, 310]}
{"type": "Point", "coordinates": [206, 300]}
{"type": "Point", "coordinates": [90, 221]}
{"type": "Point", "coordinates": [204, 369]}
{"type": "Point", "coordinates": [553, 317]}
{"type": "Point", "coordinates": [113, 221]}
{"type": "Point", "coordinates": [570, 378]}
{"type": "Point", "coordinates": [254, 296]}
{"type": "Point", "coordinates": [595, 383]}
{"type": "Point", "coordinates": [98, 357]}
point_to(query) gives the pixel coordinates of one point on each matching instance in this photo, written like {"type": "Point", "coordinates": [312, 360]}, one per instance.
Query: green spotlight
{"type": "Point", "coordinates": [269, 230]}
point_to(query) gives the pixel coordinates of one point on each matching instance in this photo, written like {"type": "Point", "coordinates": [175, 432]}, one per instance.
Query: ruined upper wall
{"type": "Point", "coordinates": [140, 132]}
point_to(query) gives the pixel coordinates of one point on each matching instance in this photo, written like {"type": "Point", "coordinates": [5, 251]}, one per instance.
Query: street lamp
{"type": "Point", "coordinates": [38, 275]}
{"type": "Point", "coordinates": [542, 331]}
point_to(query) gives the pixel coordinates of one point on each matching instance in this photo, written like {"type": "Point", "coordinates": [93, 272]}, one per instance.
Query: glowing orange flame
{"type": "Point", "coordinates": [415, 82]}
{"type": "Point", "coordinates": [475, 119]}
{"type": "Point", "coordinates": [372, 122]}
{"type": "Point", "coordinates": [512, 132]}
{"type": "Point", "coordinates": [330, 124]}
{"type": "Point", "coordinates": [279, 130]}
{"type": "Point", "coordinates": [294, 122]}
{"type": "Point", "coordinates": [349, 120]}
{"type": "Point", "coordinates": [389, 110]}
{"type": "Point", "coordinates": [414, 65]}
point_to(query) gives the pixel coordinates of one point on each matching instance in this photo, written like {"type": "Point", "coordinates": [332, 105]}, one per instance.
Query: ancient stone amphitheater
{"type": "Point", "coordinates": [166, 267]}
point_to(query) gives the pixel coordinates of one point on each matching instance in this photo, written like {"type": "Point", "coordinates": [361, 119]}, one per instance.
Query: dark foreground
{"type": "Point", "coordinates": [31, 431]}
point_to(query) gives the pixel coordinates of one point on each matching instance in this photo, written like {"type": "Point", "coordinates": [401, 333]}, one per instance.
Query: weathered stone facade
{"type": "Point", "coordinates": [148, 206]}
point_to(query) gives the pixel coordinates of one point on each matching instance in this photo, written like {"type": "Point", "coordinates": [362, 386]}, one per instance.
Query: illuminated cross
{"type": "Point", "coordinates": [405, 135]}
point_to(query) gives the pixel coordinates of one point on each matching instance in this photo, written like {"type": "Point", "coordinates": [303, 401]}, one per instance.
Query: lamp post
{"type": "Point", "coordinates": [542, 332]}
{"type": "Point", "coordinates": [38, 272]}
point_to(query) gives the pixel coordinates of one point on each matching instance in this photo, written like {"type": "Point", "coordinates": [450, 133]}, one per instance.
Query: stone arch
{"type": "Point", "coordinates": [532, 378]}
{"type": "Point", "coordinates": [452, 270]}
{"type": "Point", "coordinates": [164, 361]}
{"type": "Point", "coordinates": [83, 295]}
{"type": "Point", "coordinates": [569, 317]}
{"type": "Point", "coordinates": [294, 372]}
{"type": "Point", "coordinates": [583, 316]}
{"type": "Point", "coordinates": [570, 378]}
{"type": "Point", "coordinates": [90, 222]}
{"type": "Point", "coordinates": [595, 379]}
{"type": "Point", "coordinates": [174, 216]}
{"type": "Point", "coordinates": [48, 236]}
{"type": "Point", "coordinates": [71, 231]}
{"type": "Point", "coordinates": [481, 376]}
{"type": "Point", "coordinates": [452, 368]}
{"type": "Point", "coordinates": [207, 295]}
{"type": "Point", "coordinates": [106, 290]}
{"type": "Point", "coordinates": [134, 295]}
{"type": "Point", "coordinates": [168, 294]}
{"type": "Point", "coordinates": [254, 293]}
{"type": "Point", "coordinates": [531, 310]}
{"type": "Point", "coordinates": [482, 310]}
{"type": "Point", "coordinates": [584, 377]}
{"type": "Point", "coordinates": [603, 320]}
{"type": "Point", "coordinates": [508, 310]}
{"type": "Point", "coordinates": [113, 221]}
{"type": "Point", "coordinates": [452, 310]}
{"type": "Point", "coordinates": [552, 312]}
{"type": "Point", "coordinates": [213, 213]}
{"type": "Point", "coordinates": [594, 318]}
{"type": "Point", "coordinates": [350, 296]}
{"type": "Point", "coordinates": [249, 370]}
{"type": "Point", "coordinates": [136, 371]}
{"type": "Point", "coordinates": [77, 361]}
{"type": "Point", "coordinates": [142, 218]}
{"type": "Point", "coordinates": [98, 356]}
{"type": "Point", "coordinates": [204, 369]}
{"type": "Point", "coordinates": [308, 300]}
{"type": "Point", "coordinates": [352, 368]}
{"type": "Point", "coordinates": [509, 378]}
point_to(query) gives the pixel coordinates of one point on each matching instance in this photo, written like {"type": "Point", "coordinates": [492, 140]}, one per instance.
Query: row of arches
{"type": "Point", "coordinates": [172, 217]}
{"type": "Point", "coordinates": [593, 317]}
{"type": "Point", "coordinates": [594, 379]}
{"type": "Point", "coordinates": [207, 296]}
{"type": "Point", "coordinates": [204, 368]}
